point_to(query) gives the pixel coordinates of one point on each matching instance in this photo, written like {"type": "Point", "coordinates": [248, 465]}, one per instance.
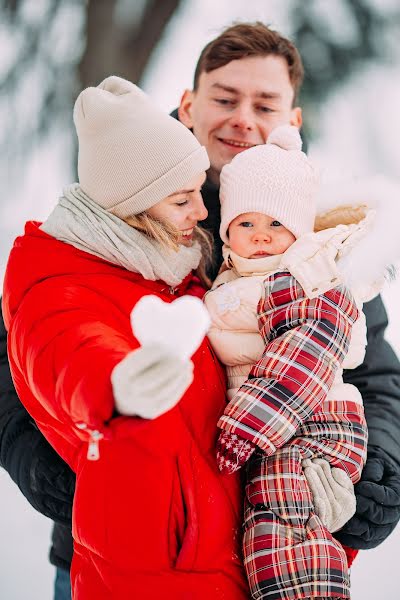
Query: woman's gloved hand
{"type": "Point", "coordinates": [149, 381]}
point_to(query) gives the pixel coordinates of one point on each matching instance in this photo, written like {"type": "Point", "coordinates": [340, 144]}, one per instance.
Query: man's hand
{"type": "Point", "coordinates": [378, 503]}
{"type": "Point", "coordinates": [233, 452]}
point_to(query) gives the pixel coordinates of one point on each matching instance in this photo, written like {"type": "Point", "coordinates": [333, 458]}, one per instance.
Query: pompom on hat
{"type": "Point", "coordinates": [275, 179]}
{"type": "Point", "coordinates": [131, 153]}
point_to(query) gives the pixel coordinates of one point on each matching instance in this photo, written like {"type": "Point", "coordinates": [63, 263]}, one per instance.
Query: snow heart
{"type": "Point", "coordinates": [179, 326]}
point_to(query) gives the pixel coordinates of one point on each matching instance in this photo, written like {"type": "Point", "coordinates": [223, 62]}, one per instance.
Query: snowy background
{"type": "Point", "coordinates": [359, 132]}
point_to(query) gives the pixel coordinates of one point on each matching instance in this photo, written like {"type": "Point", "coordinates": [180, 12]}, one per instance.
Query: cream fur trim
{"type": "Point", "coordinates": [370, 257]}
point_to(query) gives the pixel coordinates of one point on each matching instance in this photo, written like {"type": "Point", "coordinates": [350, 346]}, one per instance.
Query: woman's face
{"type": "Point", "coordinates": [182, 209]}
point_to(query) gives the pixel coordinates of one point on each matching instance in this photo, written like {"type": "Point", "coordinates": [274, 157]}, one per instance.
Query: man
{"type": "Point", "coordinates": [246, 83]}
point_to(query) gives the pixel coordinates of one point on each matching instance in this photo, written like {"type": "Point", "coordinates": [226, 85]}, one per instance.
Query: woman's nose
{"type": "Point", "coordinates": [200, 212]}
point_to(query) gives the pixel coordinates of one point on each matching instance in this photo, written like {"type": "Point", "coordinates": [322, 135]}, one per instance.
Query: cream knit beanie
{"type": "Point", "coordinates": [131, 154]}
{"type": "Point", "coordinates": [275, 179]}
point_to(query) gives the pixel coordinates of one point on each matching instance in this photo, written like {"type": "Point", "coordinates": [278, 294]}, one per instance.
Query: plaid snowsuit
{"type": "Point", "coordinates": [286, 408]}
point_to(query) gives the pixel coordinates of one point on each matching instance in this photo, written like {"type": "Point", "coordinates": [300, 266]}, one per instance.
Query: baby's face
{"type": "Point", "coordinates": [255, 235]}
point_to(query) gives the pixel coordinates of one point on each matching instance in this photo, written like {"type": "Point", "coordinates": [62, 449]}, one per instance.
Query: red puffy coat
{"type": "Point", "coordinates": [152, 517]}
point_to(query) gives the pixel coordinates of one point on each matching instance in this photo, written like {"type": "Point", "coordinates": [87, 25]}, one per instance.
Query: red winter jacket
{"type": "Point", "coordinates": [152, 517]}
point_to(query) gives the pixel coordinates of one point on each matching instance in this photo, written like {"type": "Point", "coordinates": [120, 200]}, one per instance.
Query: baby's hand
{"type": "Point", "coordinates": [232, 452]}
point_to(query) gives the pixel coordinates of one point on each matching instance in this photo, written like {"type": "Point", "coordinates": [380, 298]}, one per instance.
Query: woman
{"type": "Point", "coordinates": [152, 515]}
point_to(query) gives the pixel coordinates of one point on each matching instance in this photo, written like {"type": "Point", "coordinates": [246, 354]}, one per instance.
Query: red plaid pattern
{"type": "Point", "coordinates": [337, 432]}
{"type": "Point", "coordinates": [305, 343]}
{"type": "Point", "coordinates": [285, 408]}
{"type": "Point", "coordinates": [288, 553]}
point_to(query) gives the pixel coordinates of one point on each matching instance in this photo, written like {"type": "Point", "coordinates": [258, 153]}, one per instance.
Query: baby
{"type": "Point", "coordinates": [282, 324]}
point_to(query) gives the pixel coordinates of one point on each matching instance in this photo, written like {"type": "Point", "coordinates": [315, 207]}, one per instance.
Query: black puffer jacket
{"type": "Point", "coordinates": [42, 476]}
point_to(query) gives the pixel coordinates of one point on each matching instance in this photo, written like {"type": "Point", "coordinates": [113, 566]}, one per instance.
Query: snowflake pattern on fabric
{"type": "Point", "coordinates": [226, 301]}
{"type": "Point", "coordinates": [233, 452]}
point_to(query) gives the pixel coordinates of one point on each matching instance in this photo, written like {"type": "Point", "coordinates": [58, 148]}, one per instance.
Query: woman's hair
{"type": "Point", "coordinates": [167, 235]}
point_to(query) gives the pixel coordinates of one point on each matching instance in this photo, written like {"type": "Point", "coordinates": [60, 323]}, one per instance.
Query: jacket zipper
{"type": "Point", "coordinates": [93, 452]}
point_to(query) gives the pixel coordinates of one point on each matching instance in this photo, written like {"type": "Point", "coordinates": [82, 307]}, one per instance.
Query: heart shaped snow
{"type": "Point", "coordinates": [179, 326]}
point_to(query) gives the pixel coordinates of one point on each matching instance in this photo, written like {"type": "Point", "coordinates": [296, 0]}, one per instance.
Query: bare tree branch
{"type": "Point", "coordinates": [121, 51]}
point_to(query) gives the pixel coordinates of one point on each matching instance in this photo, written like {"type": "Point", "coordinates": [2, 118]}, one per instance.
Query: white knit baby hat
{"type": "Point", "coordinates": [275, 179]}
{"type": "Point", "coordinates": [131, 153]}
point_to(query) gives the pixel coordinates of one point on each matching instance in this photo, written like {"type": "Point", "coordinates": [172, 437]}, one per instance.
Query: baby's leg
{"type": "Point", "coordinates": [337, 432]}
{"type": "Point", "coordinates": [288, 553]}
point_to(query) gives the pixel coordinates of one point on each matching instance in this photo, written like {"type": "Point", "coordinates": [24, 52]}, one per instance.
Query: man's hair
{"type": "Point", "coordinates": [244, 40]}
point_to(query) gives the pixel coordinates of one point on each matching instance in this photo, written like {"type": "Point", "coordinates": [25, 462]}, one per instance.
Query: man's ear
{"type": "Point", "coordinates": [296, 117]}
{"type": "Point", "coordinates": [185, 109]}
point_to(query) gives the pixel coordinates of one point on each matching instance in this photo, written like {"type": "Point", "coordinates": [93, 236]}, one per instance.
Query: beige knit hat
{"type": "Point", "coordinates": [131, 154]}
{"type": "Point", "coordinates": [275, 179]}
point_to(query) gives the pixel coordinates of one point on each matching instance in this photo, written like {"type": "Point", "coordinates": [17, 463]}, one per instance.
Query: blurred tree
{"type": "Point", "coordinates": [336, 39]}
{"type": "Point", "coordinates": [54, 48]}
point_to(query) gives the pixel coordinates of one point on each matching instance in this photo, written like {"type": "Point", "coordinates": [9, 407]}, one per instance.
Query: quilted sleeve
{"type": "Point", "coordinates": [64, 341]}
{"type": "Point", "coordinates": [305, 343]}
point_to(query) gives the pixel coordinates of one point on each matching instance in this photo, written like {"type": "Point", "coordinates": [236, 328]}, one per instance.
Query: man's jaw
{"type": "Point", "coordinates": [222, 150]}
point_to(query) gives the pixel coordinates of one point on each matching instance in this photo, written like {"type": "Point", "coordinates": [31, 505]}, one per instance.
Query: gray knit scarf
{"type": "Point", "coordinates": [79, 221]}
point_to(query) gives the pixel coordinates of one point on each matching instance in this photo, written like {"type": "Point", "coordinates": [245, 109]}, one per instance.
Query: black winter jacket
{"type": "Point", "coordinates": [48, 483]}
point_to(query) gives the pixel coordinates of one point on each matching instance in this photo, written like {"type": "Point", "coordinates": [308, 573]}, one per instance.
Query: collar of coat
{"type": "Point", "coordinates": [247, 267]}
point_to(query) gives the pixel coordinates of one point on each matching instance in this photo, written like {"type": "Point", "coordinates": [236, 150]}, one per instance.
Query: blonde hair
{"type": "Point", "coordinates": [168, 236]}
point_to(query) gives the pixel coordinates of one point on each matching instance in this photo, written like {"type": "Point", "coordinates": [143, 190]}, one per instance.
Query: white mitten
{"type": "Point", "coordinates": [152, 379]}
{"type": "Point", "coordinates": [332, 491]}
{"type": "Point", "coordinates": [312, 260]}
{"type": "Point", "coordinates": [148, 382]}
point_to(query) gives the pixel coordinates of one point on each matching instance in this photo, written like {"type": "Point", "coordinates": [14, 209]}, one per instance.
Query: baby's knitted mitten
{"type": "Point", "coordinates": [233, 452]}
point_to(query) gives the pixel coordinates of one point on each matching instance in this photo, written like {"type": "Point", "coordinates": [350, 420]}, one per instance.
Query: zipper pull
{"type": "Point", "coordinates": [93, 446]}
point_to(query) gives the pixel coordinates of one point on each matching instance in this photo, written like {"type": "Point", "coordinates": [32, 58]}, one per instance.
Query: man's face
{"type": "Point", "coordinates": [236, 107]}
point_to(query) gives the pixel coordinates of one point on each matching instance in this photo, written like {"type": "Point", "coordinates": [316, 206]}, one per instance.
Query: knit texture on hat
{"type": "Point", "coordinates": [131, 154]}
{"type": "Point", "coordinates": [275, 179]}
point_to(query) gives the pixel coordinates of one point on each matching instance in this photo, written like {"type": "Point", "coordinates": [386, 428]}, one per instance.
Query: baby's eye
{"type": "Point", "coordinates": [245, 224]}
{"type": "Point", "coordinates": [276, 224]}
{"type": "Point", "coordinates": [181, 203]}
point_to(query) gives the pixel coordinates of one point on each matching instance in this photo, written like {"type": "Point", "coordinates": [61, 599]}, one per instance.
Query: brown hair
{"type": "Point", "coordinates": [250, 39]}
{"type": "Point", "coordinates": [168, 236]}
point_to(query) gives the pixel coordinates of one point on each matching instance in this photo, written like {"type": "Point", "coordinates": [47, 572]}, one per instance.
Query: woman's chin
{"type": "Point", "coordinates": [186, 241]}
